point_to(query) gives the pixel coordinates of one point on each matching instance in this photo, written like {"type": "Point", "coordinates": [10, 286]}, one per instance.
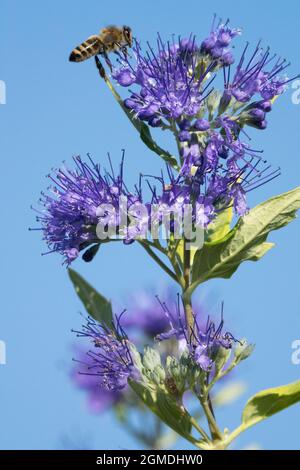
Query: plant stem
{"type": "Point", "coordinates": [158, 260]}
{"type": "Point", "coordinates": [221, 375]}
{"type": "Point", "coordinates": [187, 265]}
{"type": "Point", "coordinates": [227, 441]}
{"type": "Point", "coordinates": [186, 298]}
{"type": "Point", "coordinates": [136, 122]}
{"type": "Point", "coordinates": [200, 430]}
{"type": "Point", "coordinates": [214, 429]}
{"type": "Point", "coordinates": [188, 309]}
{"type": "Point", "coordinates": [178, 143]}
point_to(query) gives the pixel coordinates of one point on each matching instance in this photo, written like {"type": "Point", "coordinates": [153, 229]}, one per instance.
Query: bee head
{"type": "Point", "coordinates": [127, 35]}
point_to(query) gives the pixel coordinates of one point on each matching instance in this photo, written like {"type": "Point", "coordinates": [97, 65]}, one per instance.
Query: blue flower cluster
{"type": "Point", "coordinates": [218, 166]}
{"type": "Point", "coordinates": [204, 342]}
{"type": "Point", "coordinates": [110, 358]}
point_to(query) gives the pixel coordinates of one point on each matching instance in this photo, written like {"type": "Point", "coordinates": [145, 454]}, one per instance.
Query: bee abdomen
{"type": "Point", "coordinates": [87, 49]}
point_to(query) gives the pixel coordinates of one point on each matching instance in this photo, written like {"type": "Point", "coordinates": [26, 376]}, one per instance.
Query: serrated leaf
{"type": "Point", "coordinates": [247, 240]}
{"type": "Point", "coordinates": [268, 402]}
{"type": "Point", "coordinates": [96, 305]}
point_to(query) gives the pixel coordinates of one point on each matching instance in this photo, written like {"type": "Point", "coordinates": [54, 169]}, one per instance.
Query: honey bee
{"type": "Point", "coordinates": [110, 39]}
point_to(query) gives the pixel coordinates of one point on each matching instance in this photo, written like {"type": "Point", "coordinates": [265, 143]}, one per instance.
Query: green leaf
{"type": "Point", "coordinates": [146, 137]}
{"type": "Point", "coordinates": [165, 407]}
{"type": "Point", "coordinates": [247, 240]}
{"type": "Point", "coordinates": [96, 305]}
{"type": "Point", "coordinates": [268, 402]}
{"type": "Point", "coordinates": [220, 226]}
{"type": "Point", "coordinates": [265, 404]}
{"type": "Point", "coordinates": [180, 251]}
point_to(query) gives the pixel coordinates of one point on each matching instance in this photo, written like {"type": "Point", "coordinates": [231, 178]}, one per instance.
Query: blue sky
{"type": "Point", "coordinates": [56, 110]}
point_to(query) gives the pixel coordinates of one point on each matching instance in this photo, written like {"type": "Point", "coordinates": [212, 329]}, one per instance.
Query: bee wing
{"type": "Point", "coordinates": [87, 49]}
{"type": "Point", "coordinates": [111, 37]}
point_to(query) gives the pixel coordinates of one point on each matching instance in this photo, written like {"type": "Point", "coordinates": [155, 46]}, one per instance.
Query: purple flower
{"type": "Point", "coordinates": [110, 359]}
{"type": "Point", "coordinates": [212, 188]}
{"type": "Point", "coordinates": [173, 83]}
{"type": "Point", "coordinates": [145, 315]}
{"type": "Point", "coordinates": [78, 201]}
{"type": "Point", "coordinates": [184, 124]}
{"type": "Point", "coordinates": [204, 342]}
{"type": "Point", "coordinates": [184, 136]}
{"type": "Point", "coordinates": [216, 45]}
{"type": "Point", "coordinates": [168, 83]}
{"type": "Point", "coordinates": [86, 205]}
{"type": "Point", "coordinates": [148, 315]}
{"type": "Point", "coordinates": [257, 75]}
{"type": "Point", "coordinates": [222, 169]}
{"type": "Point", "coordinates": [201, 125]}
{"type": "Point", "coordinates": [99, 398]}
{"type": "Point", "coordinates": [124, 77]}
{"type": "Point", "coordinates": [145, 318]}
{"type": "Point", "coordinates": [170, 308]}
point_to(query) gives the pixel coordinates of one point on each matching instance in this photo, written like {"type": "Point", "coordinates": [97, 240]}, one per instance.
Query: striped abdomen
{"type": "Point", "coordinates": [87, 49]}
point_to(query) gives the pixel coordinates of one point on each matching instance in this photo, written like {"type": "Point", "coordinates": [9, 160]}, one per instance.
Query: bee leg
{"type": "Point", "coordinates": [100, 67]}
{"type": "Point", "coordinates": [125, 52]}
{"type": "Point", "coordinates": [107, 60]}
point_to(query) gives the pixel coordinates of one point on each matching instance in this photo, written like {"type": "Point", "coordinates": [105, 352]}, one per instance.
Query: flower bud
{"type": "Point", "coordinates": [225, 101]}
{"type": "Point", "coordinates": [155, 121]}
{"type": "Point", "coordinates": [184, 136]}
{"type": "Point", "coordinates": [266, 106]}
{"type": "Point", "coordinates": [202, 125]}
{"type": "Point", "coordinates": [129, 103]}
{"type": "Point", "coordinates": [184, 124]}
{"type": "Point", "coordinates": [257, 114]}
{"type": "Point", "coordinates": [228, 58]}
{"type": "Point", "coordinates": [208, 44]}
{"type": "Point", "coordinates": [148, 112]}
{"type": "Point", "coordinates": [257, 124]}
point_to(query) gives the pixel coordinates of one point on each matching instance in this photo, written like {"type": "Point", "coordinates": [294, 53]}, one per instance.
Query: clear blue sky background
{"type": "Point", "coordinates": [55, 110]}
